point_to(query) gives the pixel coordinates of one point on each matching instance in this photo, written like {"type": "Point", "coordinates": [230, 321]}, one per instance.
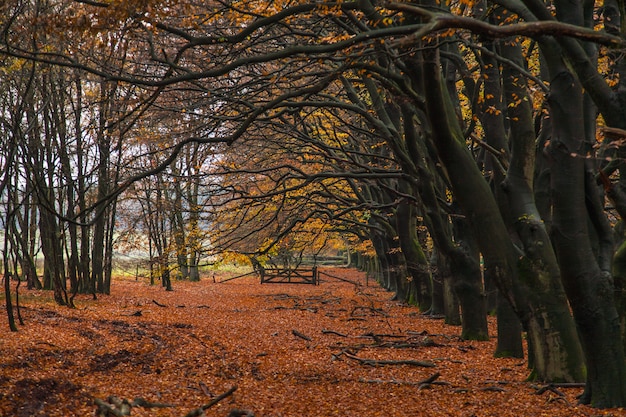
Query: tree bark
{"type": "Point", "coordinates": [547, 316]}
{"type": "Point", "coordinates": [590, 289]}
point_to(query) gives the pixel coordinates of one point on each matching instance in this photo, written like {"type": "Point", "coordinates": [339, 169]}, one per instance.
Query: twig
{"type": "Point", "coordinates": [378, 337]}
{"type": "Point", "coordinates": [372, 309]}
{"type": "Point", "coordinates": [426, 383]}
{"type": "Point", "coordinates": [200, 410]}
{"type": "Point", "coordinates": [375, 362]}
{"type": "Point", "coordinates": [550, 388]}
{"type": "Point", "coordinates": [159, 304]}
{"type": "Point", "coordinates": [117, 407]}
{"type": "Point", "coordinates": [421, 384]}
{"type": "Point", "coordinates": [430, 379]}
{"type": "Point", "coordinates": [325, 331]}
{"type": "Point", "coordinates": [140, 402]}
{"type": "Point", "coordinates": [205, 389]}
{"type": "Point", "coordinates": [114, 407]}
{"type": "Point", "coordinates": [240, 413]}
{"type": "Point", "coordinates": [494, 389]}
{"type": "Point", "coordinates": [300, 335]}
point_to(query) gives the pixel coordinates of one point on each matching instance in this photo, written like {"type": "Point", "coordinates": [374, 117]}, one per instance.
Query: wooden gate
{"type": "Point", "coordinates": [291, 276]}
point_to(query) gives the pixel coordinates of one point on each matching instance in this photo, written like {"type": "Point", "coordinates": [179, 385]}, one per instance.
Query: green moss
{"type": "Point", "coordinates": [475, 335]}
{"type": "Point", "coordinates": [532, 377]}
{"type": "Point", "coordinates": [412, 299]}
{"type": "Point", "coordinates": [506, 354]}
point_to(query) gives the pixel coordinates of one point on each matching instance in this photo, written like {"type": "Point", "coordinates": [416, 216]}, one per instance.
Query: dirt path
{"type": "Point", "coordinates": [291, 350]}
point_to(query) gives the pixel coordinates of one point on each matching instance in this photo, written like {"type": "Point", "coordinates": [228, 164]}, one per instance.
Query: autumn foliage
{"type": "Point", "coordinates": [341, 348]}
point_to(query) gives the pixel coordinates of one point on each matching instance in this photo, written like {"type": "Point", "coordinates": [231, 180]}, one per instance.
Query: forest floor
{"type": "Point", "coordinates": [337, 349]}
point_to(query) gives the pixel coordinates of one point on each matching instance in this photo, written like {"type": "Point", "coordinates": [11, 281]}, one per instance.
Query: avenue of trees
{"type": "Point", "coordinates": [467, 152]}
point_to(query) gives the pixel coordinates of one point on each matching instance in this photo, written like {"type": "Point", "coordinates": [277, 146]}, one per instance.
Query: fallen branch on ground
{"type": "Point", "coordinates": [493, 389]}
{"type": "Point", "coordinates": [376, 362]}
{"type": "Point", "coordinates": [301, 335]}
{"type": "Point", "coordinates": [200, 410]}
{"type": "Point", "coordinates": [425, 383]}
{"type": "Point", "coordinates": [240, 413]}
{"type": "Point", "coordinates": [373, 310]}
{"type": "Point", "coordinates": [118, 407]}
{"type": "Point", "coordinates": [421, 384]}
{"type": "Point", "coordinates": [326, 331]}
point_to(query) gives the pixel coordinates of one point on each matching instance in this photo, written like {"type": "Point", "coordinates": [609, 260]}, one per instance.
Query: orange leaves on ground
{"type": "Point", "coordinates": [292, 350]}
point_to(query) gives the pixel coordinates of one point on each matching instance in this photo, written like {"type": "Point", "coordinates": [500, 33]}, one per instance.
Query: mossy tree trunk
{"type": "Point", "coordinates": [589, 288]}
{"type": "Point", "coordinates": [546, 314]}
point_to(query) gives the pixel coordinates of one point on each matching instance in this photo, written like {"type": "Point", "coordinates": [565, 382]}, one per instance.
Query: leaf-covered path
{"type": "Point", "coordinates": [337, 349]}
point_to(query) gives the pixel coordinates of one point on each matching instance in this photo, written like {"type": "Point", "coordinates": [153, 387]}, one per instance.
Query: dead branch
{"type": "Point", "coordinates": [240, 413]}
{"type": "Point", "coordinates": [200, 410]}
{"type": "Point", "coordinates": [378, 311]}
{"type": "Point", "coordinates": [430, 379]}
{"type": "Point", "coordinates": [112, 407]}
{"type": "Point", "coordinates": [118, 407]}
{"type": "Point", "coordinates": [493, 389]}
{"type": "Point", "coordinates": [301, 335]}
{"type": "Point", "coordinates": [159, 304]}
{"type": "Point", "coordinates": [425, 333]}
{"type": "Point", "coordinates": [376, 362]}
{"type": "Point", "coordinates": [141, 402]}
{"type": "Point", "coordinates": [325, 331]}
{"type": "Point", "coordinates": [421, 384]}
{"type": "Point", "coordinates": [379, 337]}
{"type": "Point", "coordinates": [550, 388]}
{"type": "Point", "coordinates": [428, 382]}
{"type": "Point", "coordinates": [205, 389]}
{"type": "Point", "coordinates": [555, 399]}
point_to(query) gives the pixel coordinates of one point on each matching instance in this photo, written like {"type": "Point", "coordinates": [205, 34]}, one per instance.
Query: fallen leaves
{"type": "Point", "coordinates": [339, 348]}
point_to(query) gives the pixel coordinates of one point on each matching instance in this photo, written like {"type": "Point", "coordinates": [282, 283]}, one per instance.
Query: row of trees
{"type": "Point", "coordinates": [472, 146]}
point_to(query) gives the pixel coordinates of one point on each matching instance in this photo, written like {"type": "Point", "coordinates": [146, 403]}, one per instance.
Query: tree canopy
{"type": "Point", "coordinates": [458, 149]}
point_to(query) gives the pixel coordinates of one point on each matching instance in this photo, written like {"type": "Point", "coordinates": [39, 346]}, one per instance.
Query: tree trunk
{"type": "Point", "coordinates": [444, 299]}
{"type": "Point", "coordinates": [590, 289]}
{"type": "Point", "coordinates": [436, 295]}
{"type": "Point", "coordinates": [561, 358]}
{"type": "Point", "coordinates": [53, 254]}
{"type": "Point", "coordinates": [509, 331]}
{"type": "Point", "coordinates": [416, 261]}
{"type": "Point", "coordinates": [104, 153]}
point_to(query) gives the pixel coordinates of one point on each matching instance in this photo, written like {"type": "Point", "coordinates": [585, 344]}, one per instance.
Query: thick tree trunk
{"type": "Point", "coordinates": [415, 258]}
{"type": "Point", "coordinates": [619, 279]}
{"type": "Point", "coordinates": [468, 283]}
{"type": "Point", "coordinates": [509, 331]}
{"type": "Point", "coordinates": [383, 276]}
{"type": "Point", "coordinates": [51, 247]}
{"type": "Point", "coordinates": [104, 154]}
{"type": "Point", "coordinates": [589, 289]}
{"type": "Point", "coordinates": [437, 303]}
{"type": "Point", "coordinates": [397, 267]}
{"type": "Point", "coordinates": [561, 358]}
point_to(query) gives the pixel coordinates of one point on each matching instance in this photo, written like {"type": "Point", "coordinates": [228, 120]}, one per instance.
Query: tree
{"type": "Point", "coordinates": [388, 73]}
